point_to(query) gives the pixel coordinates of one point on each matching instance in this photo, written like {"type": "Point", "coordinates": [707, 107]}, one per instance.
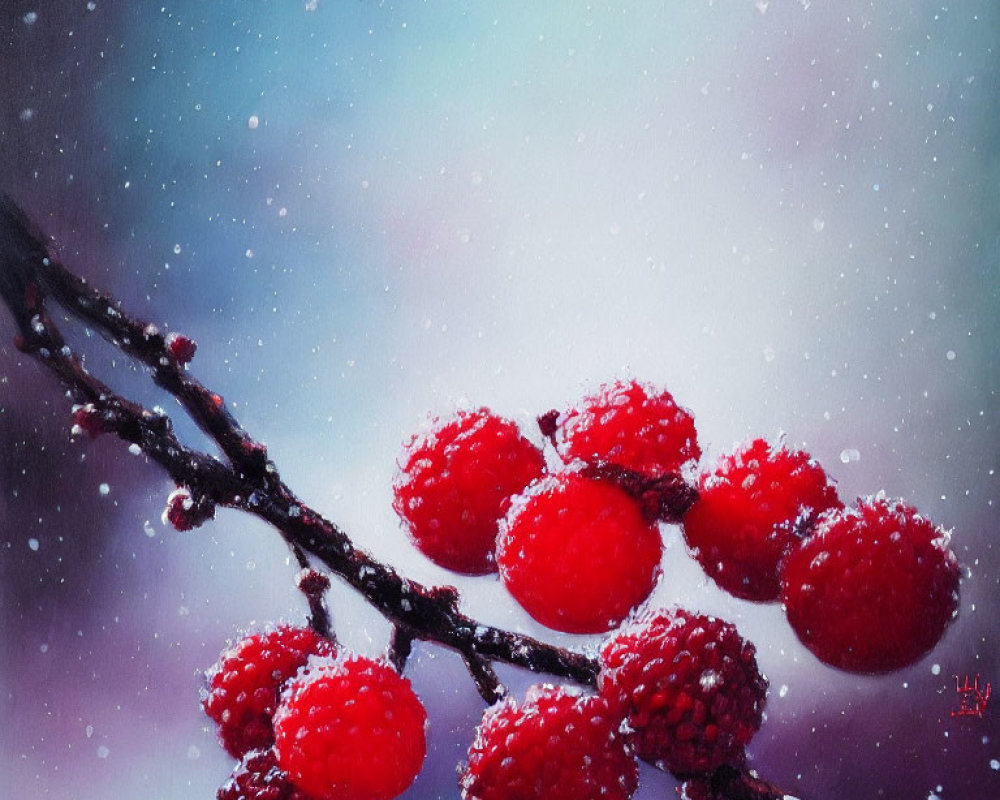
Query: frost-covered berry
{"type": "Point", "coordinates": [181, 347]}
{"type": "Point", "coordinates": [243, 686]}
{"type": "Point", "coordinates": [874, 588]}
{"type": "Point", "coordinates": [258, 777]}
{"type": "Point", "coordinates": [577, 554]}
{"type": "Point", "coordinates": [455, 483]}
{"type": "Point", "coordinates": [631, 425]}
{"type": "Point", "coordinates": [752, 510]}
{"type": "Point", "coordinates": [556, 745]}
{"type": "Point", "coordinates": [350, 729]}
{"type": "Point", "coordinates": [687, 685]}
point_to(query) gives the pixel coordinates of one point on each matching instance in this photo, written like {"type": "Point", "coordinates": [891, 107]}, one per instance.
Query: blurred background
{"type": "Point", "coordinates": [784, 212]}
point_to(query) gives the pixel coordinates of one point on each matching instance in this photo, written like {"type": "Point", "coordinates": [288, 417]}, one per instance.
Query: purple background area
{"type": "Point", "coordinates": [784, 212]}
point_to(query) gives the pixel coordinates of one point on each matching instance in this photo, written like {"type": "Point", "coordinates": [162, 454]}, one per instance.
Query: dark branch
{"type": "Point", "coordinates": [30, 274]}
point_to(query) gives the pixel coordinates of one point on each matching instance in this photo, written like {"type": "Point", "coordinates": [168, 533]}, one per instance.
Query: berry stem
{"type": "Point", "coordinates": [30, 274]}
{"type": "Point", "coordinates": [400, 647]}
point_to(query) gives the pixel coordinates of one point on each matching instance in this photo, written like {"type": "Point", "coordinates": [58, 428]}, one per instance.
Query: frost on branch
{"type": "Point", "coordinates": [678, 689]}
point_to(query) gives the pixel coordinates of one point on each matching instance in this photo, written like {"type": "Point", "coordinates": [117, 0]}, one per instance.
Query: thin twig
{"type": "Point", "coordinates": [30, 274]}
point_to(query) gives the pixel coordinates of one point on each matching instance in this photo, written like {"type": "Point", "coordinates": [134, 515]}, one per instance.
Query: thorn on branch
{"type": "Point", "coordinates": [486, 680]}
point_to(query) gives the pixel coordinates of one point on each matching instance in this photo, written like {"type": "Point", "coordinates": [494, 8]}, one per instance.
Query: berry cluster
{"type": "Point", "coordinates": [574, 546]}
{"type": "Point", "coordinates": [574, 534]}
{"type": "Point", "coordinates": [576, 540]}
{"type": "Point", "coordinates": [310, 723]}
{"type": "Point", "coordinates": [679, 690]}
{"type": "Point", "coordinates": [577, 544]}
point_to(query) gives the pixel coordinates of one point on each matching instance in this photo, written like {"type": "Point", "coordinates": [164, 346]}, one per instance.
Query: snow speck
{"type": "Point", "coordinates": [148, 529]}
{"type": "Point", "coordinates": [312, 5]}
{"type": "Point", "coordinates": [849, 455]}
{"type": "Point", "coordinates": [27, 115]}
{"type": "Point", "coordinates": [769, 354]}
{"type": "Point", "coordinates": [89, 730]}
{"type": "Point", "coordinates": [249, 253]}
{"type": "Point", "coordinates": [177, 249]}
{"type": "Point", "coordinates": [193, 752]}
{"type": "Point", "coordinates": [783, 690]}
{"type": "Point", "coordinates": [103, 752]}
{"type": "Point", "coordinates": [91, 5]}
{"type": "Point", "coordinates": [950, 355]}
{"type": "Point", "coordinates": [44, 648]}
{"type": "Point", "coordinates": [253, 122]}
{"type": "Point", "coordinates": [30, 18]}
{"type": "Point", "coordinates": [709, 679]}
{"type": "Point", "coordinates": [818, 225]}
{"type": "Point", "coordinates": [134, 449]}
{"type": "Point", "coordinates": [104, 490]}
{"type": "Point", "coordinates": [994, 764]}
{"type": "Point", "coordinates": [33, 545]}
{"type": "Point", "coordinates": [935, 669]}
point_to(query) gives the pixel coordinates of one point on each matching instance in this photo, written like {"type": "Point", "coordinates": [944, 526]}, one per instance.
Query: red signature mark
{"type": "Point", "coordinates": [972, 699]}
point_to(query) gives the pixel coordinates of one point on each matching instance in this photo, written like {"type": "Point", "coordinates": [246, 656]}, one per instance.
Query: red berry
{"type": "Point", "coordinates": [631, 425]}
{"type": "Point", "coordinates": [350, 729]}
{"type": "Point", "coordinates": [577, 554]}
{"type": "Point", "coordinates": [752, 510]}
{"type": "Point", "coordinates": [688, 686]}
{"type": "Point", "coordinates": [243, 686]}
{"type": "Point", "coordinates": [181, 347]}
{"type": "Point", "coordinates": [455, 484]}
{"type": "Point", "coordinates": [258, 777]}
{"type": "Point", "coordinates": [556, 745]}
{"type": "Point", "coordinates": [873, 589]}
